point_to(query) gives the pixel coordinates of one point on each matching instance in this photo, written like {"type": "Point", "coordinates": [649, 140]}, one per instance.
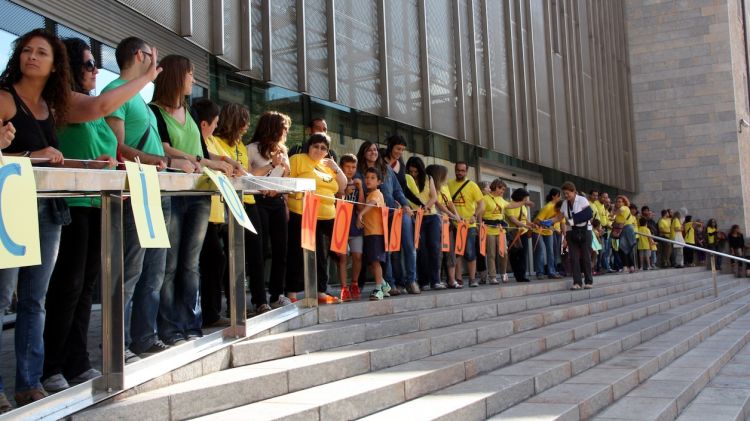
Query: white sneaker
{"type": "Point", "coordinates": [281, 302]}
{"type": "Point", "coordinates": [55, 383]}
{"type": "Point", "coordinates": [87, 375]}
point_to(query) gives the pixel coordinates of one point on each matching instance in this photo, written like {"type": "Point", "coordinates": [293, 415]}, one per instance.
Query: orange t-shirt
{"type": "Point", "coordinates": [373, 219]}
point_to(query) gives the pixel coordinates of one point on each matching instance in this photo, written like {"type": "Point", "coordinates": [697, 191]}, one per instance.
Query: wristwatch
{"type": "Point", "coordinates": [198, 158]}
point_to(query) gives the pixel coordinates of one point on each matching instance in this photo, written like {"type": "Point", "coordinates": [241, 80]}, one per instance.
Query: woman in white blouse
{"type": "Point", "coordinates": [267, 156]}
{"type": "Point", "coordinates": [578, 214]}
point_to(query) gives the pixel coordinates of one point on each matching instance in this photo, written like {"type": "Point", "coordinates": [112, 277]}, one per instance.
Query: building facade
{"type": "Point", "coordinates": [534, 91]}
{"type": "Point", "coordinates": [690, 105]}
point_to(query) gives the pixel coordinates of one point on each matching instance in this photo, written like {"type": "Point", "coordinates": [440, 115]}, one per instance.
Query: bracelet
{"type": "Point", "coordinates": [26, 154]}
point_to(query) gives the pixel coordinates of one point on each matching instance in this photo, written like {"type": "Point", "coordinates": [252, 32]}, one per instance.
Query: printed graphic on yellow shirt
{"type": "Point", "coordinates": [19, 224]}
{"type": "Point", "coordinates": [145, 197]}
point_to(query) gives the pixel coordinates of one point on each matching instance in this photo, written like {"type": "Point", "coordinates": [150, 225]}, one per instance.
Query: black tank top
{"type": "Point", "coordinates": [31, 134]}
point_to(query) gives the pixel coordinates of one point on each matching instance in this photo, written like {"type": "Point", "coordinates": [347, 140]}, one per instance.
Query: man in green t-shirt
{"type": "Point", "coordinates": [134, 126]}
{"type": "Point", "coordinates": [469, 202]}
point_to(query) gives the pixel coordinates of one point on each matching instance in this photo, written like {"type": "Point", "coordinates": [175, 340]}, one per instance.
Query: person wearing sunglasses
{"type": "Point", "coordinates": [329, 181]}
{"type": "Point", "coordinates": [66, 359]}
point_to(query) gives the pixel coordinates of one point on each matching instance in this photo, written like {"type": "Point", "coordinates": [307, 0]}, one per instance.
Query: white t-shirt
{"type": "Point", "coordinates": [580, 203]}
{"type": "Point", "coordinates": [255, 160]}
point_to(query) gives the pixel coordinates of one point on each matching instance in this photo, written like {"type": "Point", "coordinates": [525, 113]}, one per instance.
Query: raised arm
{"type": "Point", "coordinates": [85, 108]}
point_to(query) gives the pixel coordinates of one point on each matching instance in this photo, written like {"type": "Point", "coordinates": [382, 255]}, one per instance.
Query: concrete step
{"type": "Point", "coordinates": [659, 396]}
{"type": "Point", "coordinates": [449, 298]}
{"type": "Point", "coordinates": [364, 394]}
{"type": "Point", "coordinates": [556, 304]}
{"type": "Point", "coordinates": [727, 396]}
{"type": "Point", "coordinates": [493, 393]}
{"type": "Point", "coordinates": [303, 371]}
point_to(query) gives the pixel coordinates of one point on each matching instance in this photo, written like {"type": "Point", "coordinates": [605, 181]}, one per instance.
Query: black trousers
{"type": "Point", "coordinates": [68, 302]}
{"type": "Point", "coordinates": [580, 255]}
{"type": "Point", "coordinates": [517, 255]}
{"type": "Point", "coordinates": [254, 258]}
{"type": "Point", "coordinates": [213, 267]}
{"type": "Point", "coordinates": [273, 230]}
{"type": "Point", "coordinates": [295, 264]}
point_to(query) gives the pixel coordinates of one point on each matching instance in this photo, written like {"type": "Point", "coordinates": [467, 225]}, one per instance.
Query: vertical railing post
{"type": "Point", "coordinates": [311, 279]}
{"type": "Point", "coordinates": [713, 274]}
{"type": "Point", "coordinates": [237, 305]}
{"type": "Point", "coordinates": [113, 309]}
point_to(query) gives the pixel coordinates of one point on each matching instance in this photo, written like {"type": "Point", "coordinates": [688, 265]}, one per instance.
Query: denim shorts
{"type": "Point", "coordinates": [470, 253]}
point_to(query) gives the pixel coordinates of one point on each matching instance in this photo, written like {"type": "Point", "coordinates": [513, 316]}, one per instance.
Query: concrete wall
{"type": "Point", "coordinates": [684, 108]}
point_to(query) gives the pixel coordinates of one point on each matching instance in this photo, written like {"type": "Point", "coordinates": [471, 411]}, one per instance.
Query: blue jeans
{"type": "Point", "coordinates": [404, 262]}
{"type": "Point", "coordinates": [180, 304]}
{"type": "Point", "coordinates": [606, 253]}
{"type": "Point", "coordinates": [32, 284]}
{"type": "Point", "coordinates": [143, 278]}
{"type": "Point", "coordinates": [545, 254]}
{"type": "Point", "coordinates": [429, 253]}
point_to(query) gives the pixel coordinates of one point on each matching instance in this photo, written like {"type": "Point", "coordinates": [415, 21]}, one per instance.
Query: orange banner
{"type": "Point", "coordinates": [341, 225]}
{"type": "Point", "coordinates": [310, 204]}
{"type": "Point", "coordinates": [483, 239]}
{"type": "Point", "coordinates": [446, 234]}
{"type": "Point", "coordinates": [395, 244]}
{"type": "Point", "coordinates": [462, 231]}
{"type": "Point", "coordinates": [384, 215]}
{"type": "Point", "coordinates": [418, 227]}
{"type": "Point", "coordinates": [501, 243]}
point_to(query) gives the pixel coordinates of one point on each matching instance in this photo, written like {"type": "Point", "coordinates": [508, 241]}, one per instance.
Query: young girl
{"type": "Point", "coordinates": [439, 175]}
{"type": "Point", "coordinates": [736, 246]}
{"type": "Point", "coordinates": [371, 220]}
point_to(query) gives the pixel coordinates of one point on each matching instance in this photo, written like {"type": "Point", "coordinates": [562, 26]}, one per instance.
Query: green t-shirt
{"type": "Point", "coordinates": [137, 117]}
{"type": "Point", "coordinates": [88, 140]}
{"type": "Point", "coordinates": [184, 137]}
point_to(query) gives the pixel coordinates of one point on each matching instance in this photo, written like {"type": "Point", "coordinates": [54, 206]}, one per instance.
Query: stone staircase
{"type": "Point", "coordinates": [638, 346]}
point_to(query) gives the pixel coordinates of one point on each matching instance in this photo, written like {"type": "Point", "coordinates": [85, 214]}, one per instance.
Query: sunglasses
{"type": "Point", "coordinates": [89, 65]}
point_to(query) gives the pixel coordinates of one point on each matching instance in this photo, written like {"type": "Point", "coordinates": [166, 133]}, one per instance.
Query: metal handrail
{"type": "Point", "coordinates": [111, 186]}
{"type": "Point", "coordinates": [690, 246]}
{"type": "Point", "coordinates": [713, 254]}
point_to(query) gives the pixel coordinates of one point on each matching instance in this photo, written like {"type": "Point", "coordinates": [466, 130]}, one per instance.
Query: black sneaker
{"type": "Point", "coordinates": [157, 347]}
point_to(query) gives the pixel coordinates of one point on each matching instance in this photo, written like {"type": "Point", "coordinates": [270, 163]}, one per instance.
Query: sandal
{"type": "Point", "coordinates": [575, 287]}
{"type": "Point", "coordinates": [588, 286]}
{"type": "Point", "coordinates": [455, 285]}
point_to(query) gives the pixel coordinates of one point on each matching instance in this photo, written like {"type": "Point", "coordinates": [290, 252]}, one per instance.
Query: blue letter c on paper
{"type": "Point", "coordinates": [10, 245]}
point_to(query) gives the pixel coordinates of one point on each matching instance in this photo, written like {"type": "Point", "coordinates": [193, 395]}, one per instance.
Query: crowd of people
{"type": "Point", "coordinates": [172, 294]}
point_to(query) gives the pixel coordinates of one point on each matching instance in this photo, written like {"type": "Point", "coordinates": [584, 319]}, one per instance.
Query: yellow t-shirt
{"type": "Point", "coordinates": [689, 233]}
{"type": "Point", "coordinates": [467, 199]}
{"type": "Point", "coordinates": [520, 213]}
{"type": "Point", "coordinates": [373, 219]}
{"type": "Point", "coordinates": [676, 227]}
{"type": "Point", "coordinates": [444, 195]}
{"type": "Point", "coordinates": [548, 211]}
{"type": "Point", "coordinates": [217, 205]}
{"type": "Point", "coordinates": [302, 166]}
{"type": "Point", "coordinates": [665, 227]}
{"type": "Point", "coordinates": [624, 217]}
{"type": "Point", "coordinates": [711, 238]}
{"type": "Point", "coordinates": [238, 153]}
{"type": "Point", "coordinates": [423, 195]}
{"type": "Point", "coordinates": [600, 213]}
{"type": "Point", "coordinates": [643, 241]}
{"type": "Point", "coordinates": [494, 210]}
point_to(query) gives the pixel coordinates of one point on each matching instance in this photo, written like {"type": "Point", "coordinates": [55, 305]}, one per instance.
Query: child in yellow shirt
{"type": "Point", "coordinates": [645, 244]}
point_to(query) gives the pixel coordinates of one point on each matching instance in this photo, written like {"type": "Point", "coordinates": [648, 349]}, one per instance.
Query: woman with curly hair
{"type": "Point", "coordinates": [267, 156]}
{"type": "Point", "coordinates": [36, 97]}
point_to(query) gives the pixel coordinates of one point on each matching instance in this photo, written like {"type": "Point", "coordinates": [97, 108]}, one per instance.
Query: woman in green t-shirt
{"type": "Point", "coordinates": [68, 302]}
